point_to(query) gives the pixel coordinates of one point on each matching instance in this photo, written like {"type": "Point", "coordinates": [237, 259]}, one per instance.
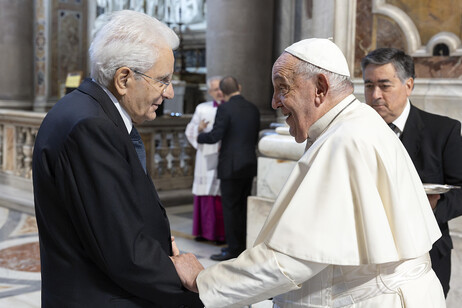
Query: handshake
{"type": "Point", "coordinates": [187, 267]}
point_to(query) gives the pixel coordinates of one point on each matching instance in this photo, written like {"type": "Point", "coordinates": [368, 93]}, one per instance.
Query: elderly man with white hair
{"type": "Point", "coordinates": [105, 239]}
{"type": "Point", "coordinates": [352, 226]}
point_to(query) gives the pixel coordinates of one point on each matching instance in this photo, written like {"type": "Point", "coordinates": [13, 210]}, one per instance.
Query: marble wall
{"type": "Point", "coordinates": [68, 42]}
{"type": "Point", "coordinates": [16, 82]}
{"type": "Point", "coordinates": [432, 16]}
{"type": "Point", "coordinates": [418, 28]}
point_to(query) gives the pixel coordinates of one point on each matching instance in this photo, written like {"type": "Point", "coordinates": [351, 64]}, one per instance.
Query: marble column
{"type": "Point", "coordinates": [344, 29]}
{"type": "Point", "coordinates": [41, 54]}
{"type": "Point", "coordinates": [239, 42]}
{"type": "Point", "coordinates": [16, 81]}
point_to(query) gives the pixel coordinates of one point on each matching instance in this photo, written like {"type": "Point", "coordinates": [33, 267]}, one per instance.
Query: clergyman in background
{"type": "Point", "coordinates": [208, 211]}
{"type": "Point", "coordinates": [236, 125]}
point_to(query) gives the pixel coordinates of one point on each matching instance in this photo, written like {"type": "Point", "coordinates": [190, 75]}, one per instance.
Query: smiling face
{"type": "Point", "coordinates": [295, 95]}
{"type": "Point", "coordinates": [385, 92]}
{"type": "Point", "coordinates": [142, 95]}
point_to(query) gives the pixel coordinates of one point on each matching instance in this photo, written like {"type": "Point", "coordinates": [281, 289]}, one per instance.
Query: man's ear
{"type": "Point", "coordinates": [121, 79]}
{"type": "Point", "coordinates": [409, 86]}
{"type": "Point", "coordinates": [322, 87]}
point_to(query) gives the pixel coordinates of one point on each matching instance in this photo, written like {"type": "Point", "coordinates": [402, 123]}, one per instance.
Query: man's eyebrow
{"type": "Point", "coordinates": [278, 77]}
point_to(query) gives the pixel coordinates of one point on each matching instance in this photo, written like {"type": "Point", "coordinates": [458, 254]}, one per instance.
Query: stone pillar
{"type": "Point", "coordinates": [344, 29]}
{"type": "Point", "coordinates": [239, 42]}
{"type": "Point", "coordinates": [41, 54]}
{"type": "Point", "coordinates": [16, 81]}
{"type": "Point", "coordinates": [284, 26]}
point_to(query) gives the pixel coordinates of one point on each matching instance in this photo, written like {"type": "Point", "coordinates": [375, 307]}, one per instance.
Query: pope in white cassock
{"type": "Point", "coordinates": [352, 225]}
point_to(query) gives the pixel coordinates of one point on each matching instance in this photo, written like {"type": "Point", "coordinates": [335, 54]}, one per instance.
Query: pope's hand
{"type": "Point", "coordinates": [188, 267]}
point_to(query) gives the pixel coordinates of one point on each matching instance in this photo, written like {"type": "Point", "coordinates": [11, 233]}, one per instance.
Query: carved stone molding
{"type": "Point", "coordinates": [408, 27]}
{"type": "Point", "coordinates": [451, 40]}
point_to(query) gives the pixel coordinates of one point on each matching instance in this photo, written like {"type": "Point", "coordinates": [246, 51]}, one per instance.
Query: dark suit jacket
{"type": "Point", "coordinates": [237, 124]}
{"type": "Point", "coordinates": [104, 235]}
{"type": "Point", "coordinates": [434, 144]}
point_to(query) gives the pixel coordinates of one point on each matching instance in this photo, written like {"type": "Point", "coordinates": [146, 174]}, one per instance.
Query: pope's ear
{"type": "Point", "coordinates": [121, 79]}
{"type": "Point", "coordinates": [322, 87]}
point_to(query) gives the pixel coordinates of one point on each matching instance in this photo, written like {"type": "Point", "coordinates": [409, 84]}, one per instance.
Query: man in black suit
{"type": "Point", "coordinates": [237, 124]}
{"type": "Point", "coordinates": [433, 142]}
{"type": "Point", "coordinates": [104, 236]}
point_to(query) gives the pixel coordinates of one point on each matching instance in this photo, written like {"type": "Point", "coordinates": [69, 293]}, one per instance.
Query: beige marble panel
{"type": "Point", "coordinates": [432, 16]}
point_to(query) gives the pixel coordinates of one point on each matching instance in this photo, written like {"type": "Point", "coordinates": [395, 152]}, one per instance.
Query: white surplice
{"type": "Point", "coordinates": [205, 180]}
{"type": "Point", "coordinates": [351, 227]}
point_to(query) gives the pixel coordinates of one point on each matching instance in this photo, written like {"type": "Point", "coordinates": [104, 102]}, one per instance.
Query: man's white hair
{"type": "Point", "coordinates": [213, 78]}
{"type": "Point", "coordinates": [338, 83]}
{"type": "Point", "coordinates": [131, 39]}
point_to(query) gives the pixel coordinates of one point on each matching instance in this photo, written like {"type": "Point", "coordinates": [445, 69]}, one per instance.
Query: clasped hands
{"type": "Point", "coordinates": [187, 266]}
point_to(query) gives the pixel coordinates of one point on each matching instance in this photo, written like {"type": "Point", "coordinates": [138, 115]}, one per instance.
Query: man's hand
{"type": "Point", "coordinates": [203, 125]}
{"type": "Point", "coordinates": [433, 199]}
{"type": "Point", "coordinates": [188, 267]}
{"type": "Point", "coordinates": [175, 250]}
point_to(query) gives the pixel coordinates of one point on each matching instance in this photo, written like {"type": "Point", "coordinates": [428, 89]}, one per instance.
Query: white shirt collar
{"type": "Point", "coordinates": [400, 121]}
{"type": "Point", "coordinates": [125, 117]}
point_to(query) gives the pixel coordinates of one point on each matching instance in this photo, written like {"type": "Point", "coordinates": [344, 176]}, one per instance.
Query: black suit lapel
{"type": "Point", "coordinates": [412, 134]}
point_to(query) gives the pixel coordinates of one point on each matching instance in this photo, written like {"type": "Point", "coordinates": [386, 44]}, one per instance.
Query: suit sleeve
{"type": "Point", "coordinates": [104, 206]}
{"type": "Point", "coordinates": [219, 128]}
{"type": "Point", "coordinates": [450, 204]}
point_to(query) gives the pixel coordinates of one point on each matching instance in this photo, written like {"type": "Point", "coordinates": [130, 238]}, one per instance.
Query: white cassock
{"type": "Point", "coordinates": [205, 180]}
{"type": "Point", "coordinates": [351, 227]}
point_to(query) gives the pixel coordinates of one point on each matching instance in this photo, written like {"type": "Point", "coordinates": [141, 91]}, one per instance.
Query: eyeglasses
{"type": "Point", "coordinates": [164, 83]}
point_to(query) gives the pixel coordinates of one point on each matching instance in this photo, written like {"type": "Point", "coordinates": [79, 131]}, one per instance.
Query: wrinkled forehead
{"type": "Point", "coordinates": [284, 66]}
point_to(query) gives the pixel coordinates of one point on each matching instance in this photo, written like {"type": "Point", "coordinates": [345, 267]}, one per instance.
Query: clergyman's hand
{"type": "Point", "coordinates": [188, 267]}
{"type": "Point", "coordinates": [203, 125]}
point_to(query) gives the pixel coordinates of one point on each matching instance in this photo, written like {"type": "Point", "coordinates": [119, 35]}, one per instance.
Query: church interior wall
{"type": "Point", "coordinates": [68, 44]}
{"type": "Point", "coordinates": [16, 39]}
{"type": "Point", "coordinates": [250, 46]}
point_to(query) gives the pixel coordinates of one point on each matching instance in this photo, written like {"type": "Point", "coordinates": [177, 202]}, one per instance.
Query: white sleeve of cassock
{"type": "Point", "coordinates": [257, 274]}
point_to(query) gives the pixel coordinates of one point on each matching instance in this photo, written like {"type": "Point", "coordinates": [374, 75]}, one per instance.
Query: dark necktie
{"type": "Point", "coordinates": [394, 128]}
{"type": "Point", "coordinates": [139, 146]}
